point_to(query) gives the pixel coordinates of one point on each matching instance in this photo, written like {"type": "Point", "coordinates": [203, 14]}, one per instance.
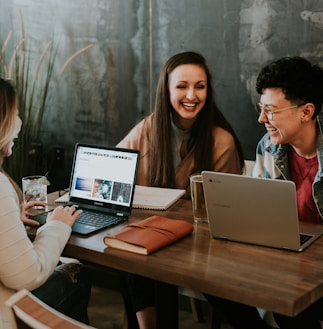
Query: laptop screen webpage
{"type": "Point", "coordinates": [103, 177]}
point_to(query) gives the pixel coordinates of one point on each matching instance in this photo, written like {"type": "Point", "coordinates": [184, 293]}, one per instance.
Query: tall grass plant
{"type": "Point", "coordinates": [32, 80]}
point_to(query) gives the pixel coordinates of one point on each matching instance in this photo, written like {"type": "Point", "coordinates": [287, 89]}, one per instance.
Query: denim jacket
{"type": "Point", "coordinates": [272, 162]}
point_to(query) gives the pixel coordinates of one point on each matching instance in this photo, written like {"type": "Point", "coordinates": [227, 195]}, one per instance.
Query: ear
{"type": "Point", "coordinates": [307, 112]}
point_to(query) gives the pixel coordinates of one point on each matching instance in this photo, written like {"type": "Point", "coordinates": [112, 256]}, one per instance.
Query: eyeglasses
{"type": "Point", "coordinates": [270, 113]}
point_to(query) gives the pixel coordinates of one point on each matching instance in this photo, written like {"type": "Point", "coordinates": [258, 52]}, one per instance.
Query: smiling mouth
{"type": "Point", "coordinates": [271, 130]}
{"type": "Point", "coordinates": [189, 105]}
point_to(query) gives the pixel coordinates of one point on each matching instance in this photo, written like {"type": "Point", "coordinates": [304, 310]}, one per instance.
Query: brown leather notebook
{"type": "Point", "coordinates": [149, 234]}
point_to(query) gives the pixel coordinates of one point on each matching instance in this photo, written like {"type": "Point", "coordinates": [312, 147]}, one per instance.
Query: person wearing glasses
{"type": "Point", "coordinates": [291, 97]}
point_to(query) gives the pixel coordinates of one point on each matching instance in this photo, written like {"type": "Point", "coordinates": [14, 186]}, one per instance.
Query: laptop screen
{"type": "Point", "coordinates": [103, 177]}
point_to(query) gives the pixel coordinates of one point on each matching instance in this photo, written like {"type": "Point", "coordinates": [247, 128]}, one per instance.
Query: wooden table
{"type": "Point", "coordinates": [276, 280]}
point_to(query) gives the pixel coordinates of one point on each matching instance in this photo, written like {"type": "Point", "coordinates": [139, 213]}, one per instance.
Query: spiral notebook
{"type": "Point", "coordinates": [155, 198]}
{"type": "Point", "coordinates": [145, 197]}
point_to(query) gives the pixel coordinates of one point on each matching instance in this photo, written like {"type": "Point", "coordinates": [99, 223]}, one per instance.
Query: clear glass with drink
{"type": "Point", "coordinates": [34, 188]}
{"type": "Point", "coordinates": [198, 201]}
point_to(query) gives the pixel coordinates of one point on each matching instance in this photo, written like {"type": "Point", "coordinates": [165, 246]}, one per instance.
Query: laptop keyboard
{"type": "Point", "coordinates": [304, 237]}
{"type": "Point", "coordinates": [97, 219]}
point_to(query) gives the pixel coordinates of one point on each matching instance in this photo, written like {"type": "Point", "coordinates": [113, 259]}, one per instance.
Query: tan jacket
{"type": "Point", "coordinates": [226, 158]}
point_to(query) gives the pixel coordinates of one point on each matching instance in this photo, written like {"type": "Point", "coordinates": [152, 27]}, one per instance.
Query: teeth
{"type": "Point", "coordinates": [189, 104]}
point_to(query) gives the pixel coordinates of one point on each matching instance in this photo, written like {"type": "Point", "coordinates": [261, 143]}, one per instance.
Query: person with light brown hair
{"type": "Point", "coordinates": [24, 264]}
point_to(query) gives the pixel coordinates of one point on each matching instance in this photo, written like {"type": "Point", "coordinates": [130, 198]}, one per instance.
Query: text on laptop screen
{"type": "Point", "coordinates": [105, 175]}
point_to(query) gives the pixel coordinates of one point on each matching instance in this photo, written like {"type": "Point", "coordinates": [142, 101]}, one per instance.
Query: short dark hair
{"type": "Point", "coordinates": [297, 77]}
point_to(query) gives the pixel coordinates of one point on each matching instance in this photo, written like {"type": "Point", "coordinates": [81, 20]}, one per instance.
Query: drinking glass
{"type": "Point", "coordinates": [198, 201]}
{"type": "Point", "coordinates": [34, 188]}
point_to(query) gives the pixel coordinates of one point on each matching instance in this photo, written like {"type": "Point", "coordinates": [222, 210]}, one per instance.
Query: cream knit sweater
{"type": "Point", "coordinates": [24, 264]}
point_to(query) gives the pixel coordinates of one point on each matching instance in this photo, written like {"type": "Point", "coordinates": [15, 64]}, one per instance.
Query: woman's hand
{"type": "Point", "coordinates": [25, 214]}
{"type": "Point", "coordinates": [67, 215]}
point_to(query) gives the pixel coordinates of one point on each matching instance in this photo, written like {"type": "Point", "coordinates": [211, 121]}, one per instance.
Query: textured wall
{"type": "Point", "coordinates": [104, 92]}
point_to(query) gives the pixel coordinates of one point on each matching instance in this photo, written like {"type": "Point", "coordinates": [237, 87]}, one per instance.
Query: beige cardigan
{"type": "Point", "coordinates": [225, 155]}
{"type": "Point", "coordinates": [24, 264]}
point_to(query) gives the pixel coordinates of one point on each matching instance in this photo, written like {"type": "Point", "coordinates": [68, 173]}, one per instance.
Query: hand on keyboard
{"type": "Point", "coordinates": [67, 215]}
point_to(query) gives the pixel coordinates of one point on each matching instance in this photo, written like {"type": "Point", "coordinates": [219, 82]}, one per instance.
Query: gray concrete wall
{"type": "Point", "coordinates": [105, 91]}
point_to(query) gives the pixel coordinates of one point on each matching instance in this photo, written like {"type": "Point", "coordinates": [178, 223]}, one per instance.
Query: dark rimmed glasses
{"type": "Point", "coordinates": [270, 113]}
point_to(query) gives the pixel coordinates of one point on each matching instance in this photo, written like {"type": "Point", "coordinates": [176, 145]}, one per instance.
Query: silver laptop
{"type": "Point", "coordinates": [255, 210]}
{"type": "Point", "coordinates": [102, 185]}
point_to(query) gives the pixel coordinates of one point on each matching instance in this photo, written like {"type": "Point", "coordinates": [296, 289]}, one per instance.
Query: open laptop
{"type": "Point", "coordinates": [102, 185]}
{"type": "Point", "coordinates": [255, 210]}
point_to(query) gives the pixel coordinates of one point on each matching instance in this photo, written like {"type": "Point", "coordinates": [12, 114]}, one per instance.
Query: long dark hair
{"type": "Point", "coordinates": [162, 172]}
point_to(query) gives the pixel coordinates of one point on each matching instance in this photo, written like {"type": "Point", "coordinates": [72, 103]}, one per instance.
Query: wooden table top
{"type": "Point", "coordinates": [276, 280]}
